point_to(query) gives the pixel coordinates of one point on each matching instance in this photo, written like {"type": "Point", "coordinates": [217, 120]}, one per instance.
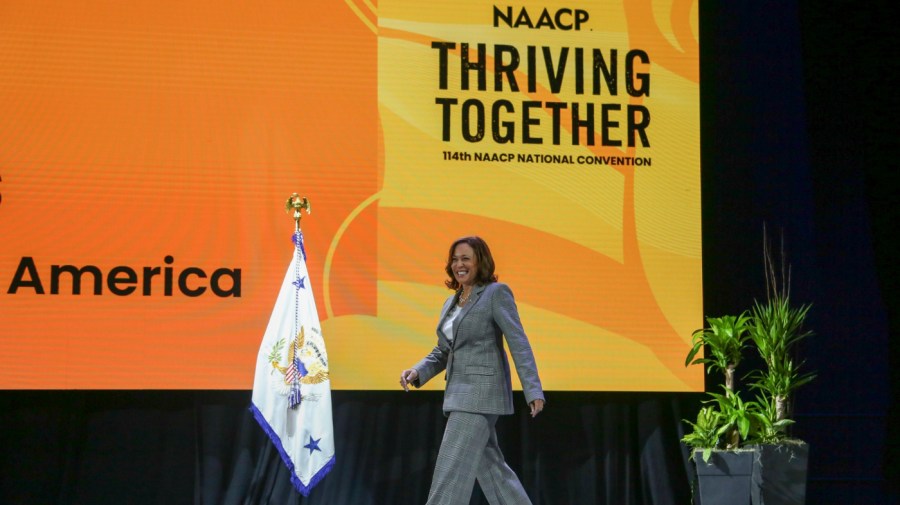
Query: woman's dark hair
{"type": "Point", "coordinates": [483, 260]}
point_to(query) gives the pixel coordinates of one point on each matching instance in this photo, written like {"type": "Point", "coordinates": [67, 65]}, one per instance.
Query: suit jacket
{"type": "Point", "coordinates": [477, 370]}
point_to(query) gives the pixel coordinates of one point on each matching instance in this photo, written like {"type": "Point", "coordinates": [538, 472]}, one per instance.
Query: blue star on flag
{"type": "Point", "coordinates": [300, 282]}
{"type": "Point", "coordinates": [313, 445]}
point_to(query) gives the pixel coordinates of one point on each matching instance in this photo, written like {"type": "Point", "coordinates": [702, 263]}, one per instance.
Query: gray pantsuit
{"type": "Point", "coordinates": [479, 388]}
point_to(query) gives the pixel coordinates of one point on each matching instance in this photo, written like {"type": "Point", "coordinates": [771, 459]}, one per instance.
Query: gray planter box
{"type": "Point", "coordinates": [726, 478]}
{"type": "Point", "coordinates": [779, 474]}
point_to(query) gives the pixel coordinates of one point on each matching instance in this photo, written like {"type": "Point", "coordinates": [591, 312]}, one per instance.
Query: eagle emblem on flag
{"type": "Point", "coordinates": [304, 362]}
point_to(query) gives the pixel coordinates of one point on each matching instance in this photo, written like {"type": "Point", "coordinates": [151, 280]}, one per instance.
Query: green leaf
{"type": "Point", "coordinates": [743, 426]}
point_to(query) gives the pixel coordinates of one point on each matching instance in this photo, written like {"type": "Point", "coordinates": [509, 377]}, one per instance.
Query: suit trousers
{"type": "Point", "coordinates": [469, 451]}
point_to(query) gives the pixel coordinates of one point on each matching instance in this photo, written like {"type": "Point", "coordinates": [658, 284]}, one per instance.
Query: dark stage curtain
{"type": "Point", "coordinates": [203, 447]}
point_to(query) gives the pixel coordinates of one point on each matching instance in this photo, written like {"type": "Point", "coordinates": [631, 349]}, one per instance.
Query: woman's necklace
{"type": "Point", "coordinates": [464, 297]}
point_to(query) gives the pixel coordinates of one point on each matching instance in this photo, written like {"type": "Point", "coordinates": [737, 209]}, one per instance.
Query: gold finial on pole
{"type": "Point", "coordinates": [295, 203]}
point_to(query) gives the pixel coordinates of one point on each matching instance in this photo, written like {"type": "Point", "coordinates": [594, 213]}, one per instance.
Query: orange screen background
{"type": "Point", "coordinates": [169, 134]}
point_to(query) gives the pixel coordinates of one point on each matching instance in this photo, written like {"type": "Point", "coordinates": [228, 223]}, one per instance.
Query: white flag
{"type": "Point", "coordinates": [292, 390]}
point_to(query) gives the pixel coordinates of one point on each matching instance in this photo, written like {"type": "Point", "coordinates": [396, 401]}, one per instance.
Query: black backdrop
{"type": "Point", "coordinates": [797, 117]}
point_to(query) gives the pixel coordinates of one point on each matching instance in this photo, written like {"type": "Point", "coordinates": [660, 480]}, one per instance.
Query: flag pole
{"type": "Point", "coordinates": [294, 204]}
{"type": "Point", "coordinates": [291, 398]}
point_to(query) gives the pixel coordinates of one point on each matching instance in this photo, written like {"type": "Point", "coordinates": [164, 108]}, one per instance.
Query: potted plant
{"type": "Point", "coordinates": [728, 428]}
{"type": "Point", "coordinates": [721, 476]}
{"type": "Point", "coordinates": [723, 466]}
{"type": "Point", "coordinates": [776, 327]}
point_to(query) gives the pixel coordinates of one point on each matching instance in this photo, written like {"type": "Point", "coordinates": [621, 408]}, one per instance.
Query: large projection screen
{"type": "Point", "coordinates": [147, 149]}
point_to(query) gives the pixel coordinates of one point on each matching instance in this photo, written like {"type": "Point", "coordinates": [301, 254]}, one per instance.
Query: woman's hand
{"type": "Point", "coordinates": [536, 407]}
{"type": "Point", "coordinates": [407, 377]}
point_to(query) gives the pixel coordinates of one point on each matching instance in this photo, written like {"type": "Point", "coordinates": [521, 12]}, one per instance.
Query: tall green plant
{"type": "Point", "coordinates": [776, 326]}
{"type": "Point", "coordinates": [725, 339]}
